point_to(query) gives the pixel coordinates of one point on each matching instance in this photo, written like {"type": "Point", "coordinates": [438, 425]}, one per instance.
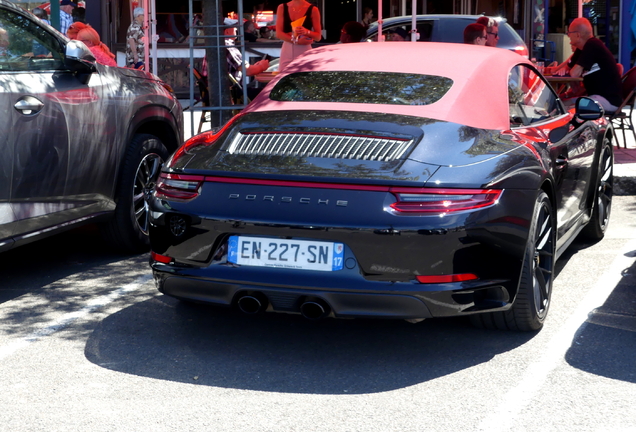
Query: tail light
{"type": "Point", "coordinates": [446, 278]}
{"type": "Point", "coordinates": [442, 201]}
{"type": "Point", "coordinates": [178, 187]}
{"type": "Point", "coordinates": [161, 258]}
{"type": "Point", "coordinates": [205, 138]}
{"type": "Point", "coordinates": [167, 86]}
{"type": "Point", "coordinates": [521, 50]}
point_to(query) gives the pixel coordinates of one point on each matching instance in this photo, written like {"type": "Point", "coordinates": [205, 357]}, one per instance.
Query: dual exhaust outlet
{"type": "Point", "coordinates": [312, 309]}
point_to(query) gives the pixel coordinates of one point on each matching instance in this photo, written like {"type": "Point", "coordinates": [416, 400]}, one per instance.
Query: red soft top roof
{"type": "Point", "coordinates": [477, 98]}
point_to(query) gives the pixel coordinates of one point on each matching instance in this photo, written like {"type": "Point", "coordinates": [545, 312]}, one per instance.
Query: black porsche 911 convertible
{"type": "Point", "coordinates": [447, 185]}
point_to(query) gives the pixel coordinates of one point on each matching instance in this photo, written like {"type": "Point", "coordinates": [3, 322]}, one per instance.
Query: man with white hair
{"type": "Point", "coordinates": [492, 30]}
{"type": "Point", "coordinates": [596, 65]}
{"type": "Point", "coordinates": [135, 44]}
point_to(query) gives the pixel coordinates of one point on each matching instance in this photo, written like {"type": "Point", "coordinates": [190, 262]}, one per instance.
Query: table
{"type": "Point", "coordinates": [561, 83]}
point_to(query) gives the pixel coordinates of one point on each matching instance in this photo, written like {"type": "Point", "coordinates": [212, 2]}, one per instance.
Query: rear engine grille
{"type": "Point", "coordinates": [320, 145]}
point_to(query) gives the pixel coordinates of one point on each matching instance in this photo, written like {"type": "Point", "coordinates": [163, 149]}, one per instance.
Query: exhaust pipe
{"type": "Point", "coordinates": [314, 310]}
{"type": "Point", "coordinates": [252, 304]}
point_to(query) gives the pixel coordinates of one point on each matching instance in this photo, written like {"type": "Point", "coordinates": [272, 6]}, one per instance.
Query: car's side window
{"type": "Point", "coordinates": [425, 30]}
{"type": "Point", "coordinates": [530, 97]}
{"type": "Point", "coordinates": [26, 46]}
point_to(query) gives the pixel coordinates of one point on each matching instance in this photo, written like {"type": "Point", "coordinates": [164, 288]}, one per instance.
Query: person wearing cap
{"type": "Point", "coordinates": [66, 17]}
{"type": "Point", "coordinates": [135, 46]}
{"type": "Point", "coordinates": [397, 34]}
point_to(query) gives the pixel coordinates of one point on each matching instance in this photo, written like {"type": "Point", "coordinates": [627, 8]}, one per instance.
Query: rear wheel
{"type": "Point", "coordinates": [128, 230]}
{"type": "Point", "coordinates": [530, 307]}
{"type": "Point", "coordinates": [595, 229]}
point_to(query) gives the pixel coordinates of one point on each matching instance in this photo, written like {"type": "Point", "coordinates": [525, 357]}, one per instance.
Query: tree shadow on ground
{"type": "Point", "coordinates": [33, 266]}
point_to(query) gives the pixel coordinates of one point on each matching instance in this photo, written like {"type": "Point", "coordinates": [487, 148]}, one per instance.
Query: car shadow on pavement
{"type": "Point", "coordinates": [605, 344]}
{"type": "Point", "coordinates": [165, 339]}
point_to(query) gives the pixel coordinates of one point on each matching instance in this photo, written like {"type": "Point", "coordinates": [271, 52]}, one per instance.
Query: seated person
{"type": "Point", "coordinates": [90, 37]}
{"type": "Point", "coordinates": [352, 31]}
{"type": "Point", "coordinates": [252, 34]}
{"type": "Point", "coordinates": [563, 69]}
{"type": "Point", "coordinates": [596, 64]}
{"type": "Point", "coordinates": [234, 63]}
{"type": "Point", "coordinates": [492, 30]}
{"type": "Point", "coordinates": [267, 33]}
{"type": "Point", "coordinates": [397, 34]}
{"type": "Point", "coordinates": [475, 34]}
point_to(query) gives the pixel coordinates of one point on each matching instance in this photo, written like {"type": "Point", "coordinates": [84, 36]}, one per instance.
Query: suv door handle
{"type": "Point", "coordinates": [561, 162]}
{"type": "Point", "coordinates": [29, 105]}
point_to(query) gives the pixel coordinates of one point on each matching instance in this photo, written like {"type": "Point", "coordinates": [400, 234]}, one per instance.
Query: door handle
{"type": "Point", "coordinates": [29, 105]}
{"type": "Point", "coordinates": [561, 162]}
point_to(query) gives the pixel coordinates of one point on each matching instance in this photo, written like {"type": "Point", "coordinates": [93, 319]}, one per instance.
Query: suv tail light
{"type": "Point", "coordinates": [205, 138]}
{"type": "Point", "coordinates": [521, 50]}
{"type": "Point", "coordinates": [178, 187]}
{"type": "Point", "coordinates": [442, 201]}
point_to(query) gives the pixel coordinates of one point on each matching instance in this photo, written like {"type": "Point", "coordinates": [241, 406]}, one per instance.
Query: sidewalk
{"type": "Point", "coordinates": [624, 158]}
{"type": "Point", "coordinates": [625, 165]}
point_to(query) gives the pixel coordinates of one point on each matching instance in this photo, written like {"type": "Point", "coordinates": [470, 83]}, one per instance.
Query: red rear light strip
{"type": "Point", "coordinates": [161, 258]}
{"type": "Point", "coordinates": [343, 186]}
{"type": "Point", "coordinates": [447, 278]}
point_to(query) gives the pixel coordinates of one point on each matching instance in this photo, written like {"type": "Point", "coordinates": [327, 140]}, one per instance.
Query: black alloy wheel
{"type": "Point", "coordinates": [602, 207]}
{"type": "Point", "coordinates": [530, 307]}
{"type": "Point", "coordinates": [145, 179]}
{"type": "Point", "coordinates": [128, 229]}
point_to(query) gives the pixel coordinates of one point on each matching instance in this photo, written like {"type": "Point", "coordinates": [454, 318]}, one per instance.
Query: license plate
{"type": "Point", "coordinates": [285, 253]}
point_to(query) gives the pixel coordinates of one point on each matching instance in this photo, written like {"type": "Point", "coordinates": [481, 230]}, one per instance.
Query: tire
{"type": "Point", "coordinates": [128, 229]}
{"type": "Point", "coordinates": [602, 207]}
{"type": "Point", "coordinates": [530, 307]}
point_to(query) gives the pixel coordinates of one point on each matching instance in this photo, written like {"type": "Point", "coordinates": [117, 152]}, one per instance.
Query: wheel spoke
{"type": "Point", "coordinates": [607, 170]}
{"type": "Point", "coordinates": [543, 285]}
{"type": "Point", "coordinates": [544, 233]}
{"type": "Point", "coordinates": [138, 197]}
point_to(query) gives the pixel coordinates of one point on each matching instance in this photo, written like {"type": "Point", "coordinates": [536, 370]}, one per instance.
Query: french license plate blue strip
{"type": "Point", "coordinates": [286, 253]}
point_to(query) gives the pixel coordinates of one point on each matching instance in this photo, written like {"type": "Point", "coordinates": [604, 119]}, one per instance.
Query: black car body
{"type": "Point", "coordinates": [419, 197]}
{"type": "Point", "coordinates": [80, 141]}
{"type": "Point", "coordinates": [449, 28]}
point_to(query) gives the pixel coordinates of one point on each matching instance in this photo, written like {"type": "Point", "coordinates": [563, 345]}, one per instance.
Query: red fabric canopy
{"type": "Point", "coordinates": [477, 98]}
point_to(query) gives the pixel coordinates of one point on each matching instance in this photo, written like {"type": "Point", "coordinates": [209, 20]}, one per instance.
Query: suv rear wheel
{"type": "Point", "coordinates": [128, 229]}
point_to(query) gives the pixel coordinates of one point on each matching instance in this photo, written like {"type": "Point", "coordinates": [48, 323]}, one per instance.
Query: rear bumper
{"type": "Point", "coordinates": [400, 300]}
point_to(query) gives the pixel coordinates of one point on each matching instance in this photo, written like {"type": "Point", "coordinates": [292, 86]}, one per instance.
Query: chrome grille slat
{"type": "Point", "coordinates": [334, 146]}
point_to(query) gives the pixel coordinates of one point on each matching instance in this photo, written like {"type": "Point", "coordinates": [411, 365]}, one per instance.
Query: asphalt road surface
{"type": "Point", "coordinates": [88, 344]}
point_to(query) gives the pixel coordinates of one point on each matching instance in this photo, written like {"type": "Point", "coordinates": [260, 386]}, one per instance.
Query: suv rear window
{"type": "Point", "coordinates": [361, 87]}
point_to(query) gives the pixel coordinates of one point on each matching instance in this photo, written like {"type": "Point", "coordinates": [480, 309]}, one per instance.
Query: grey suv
{"type": "Point", "coordinates": [450, 28]}
{"type": "Point", "coordinates": [80, 141]}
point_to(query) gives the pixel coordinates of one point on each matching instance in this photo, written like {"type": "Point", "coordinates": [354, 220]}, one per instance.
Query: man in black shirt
{"type": "Point", "coordinates": [596, 65]}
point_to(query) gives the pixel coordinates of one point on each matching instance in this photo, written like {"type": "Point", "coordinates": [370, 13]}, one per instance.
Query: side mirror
{"type": "Point", "coordinates": [79, 58]}
{"type": "Point", "coordinates": [588, 109]}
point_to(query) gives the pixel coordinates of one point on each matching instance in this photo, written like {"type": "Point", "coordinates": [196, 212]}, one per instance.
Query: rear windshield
{"type": "Point", "coordinates": [361, 87]}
